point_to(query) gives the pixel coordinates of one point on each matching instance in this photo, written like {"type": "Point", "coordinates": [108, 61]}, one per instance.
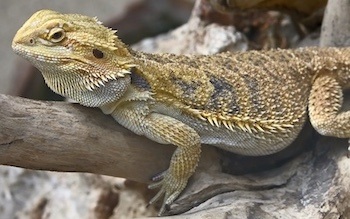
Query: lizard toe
{"type": "Point", "coordinates": [171, 188]}
{"type": "Point", "coordinates": [159, 176]}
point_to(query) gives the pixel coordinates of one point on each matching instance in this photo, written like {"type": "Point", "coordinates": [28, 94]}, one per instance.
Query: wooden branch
{"type": "Point", "coordinates": [69, 137]}
{"type": "Point", "coordinates": [62, 136]}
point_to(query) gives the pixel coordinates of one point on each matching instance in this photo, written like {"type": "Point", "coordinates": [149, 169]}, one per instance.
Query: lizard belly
{"type": "Point", "coordinates": [240, 142]}
{"type": "Point", "coordinates": [245, 143]}
{"type": "Point", "coordinates": [237, 141]}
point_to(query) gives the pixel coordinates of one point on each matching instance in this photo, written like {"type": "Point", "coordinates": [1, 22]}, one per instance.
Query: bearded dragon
{"type": "Point", "coordinates": [251, 103]}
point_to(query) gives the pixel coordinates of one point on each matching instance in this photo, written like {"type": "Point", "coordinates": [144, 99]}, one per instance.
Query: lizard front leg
{"type": "Point", "coordinates": [137, 117]}
{"type": "Point", "coordinates": [325, 103]}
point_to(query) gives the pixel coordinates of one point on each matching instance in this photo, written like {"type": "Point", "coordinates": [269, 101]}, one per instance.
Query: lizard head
{"type": "Point", "coordinates": [79, 57]}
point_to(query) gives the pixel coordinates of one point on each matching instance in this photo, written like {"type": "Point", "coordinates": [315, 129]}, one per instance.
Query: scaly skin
{"type": "Point", "coordinates": [252, 103]}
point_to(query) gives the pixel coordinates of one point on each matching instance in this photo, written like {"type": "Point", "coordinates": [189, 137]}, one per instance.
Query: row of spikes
{"type": "Point", "coordinates": [96, 80]}
{"type": "Point", "coordinates": [245, 124]}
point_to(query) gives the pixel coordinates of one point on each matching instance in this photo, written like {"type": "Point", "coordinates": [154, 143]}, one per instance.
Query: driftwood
{"type": "Point", "coordinates": [67, 137]}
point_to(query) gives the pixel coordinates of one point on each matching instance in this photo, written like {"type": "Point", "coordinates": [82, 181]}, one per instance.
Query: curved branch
{"type": "Point", "coordinates": [61, 136]}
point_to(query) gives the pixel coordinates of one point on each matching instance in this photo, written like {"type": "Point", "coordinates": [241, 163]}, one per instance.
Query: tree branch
{"type": "Point", "coordinates": [68, 137]}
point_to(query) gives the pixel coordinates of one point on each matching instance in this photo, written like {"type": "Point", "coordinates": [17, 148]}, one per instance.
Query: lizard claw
{"type": "Point", "coordinates": [158, 177]}
{"type": "Point", "coordinates": [170, 188]}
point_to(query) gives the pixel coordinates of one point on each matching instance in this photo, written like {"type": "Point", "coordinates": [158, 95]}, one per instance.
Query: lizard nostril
{"type": "Point", "coordinates": [31, 41]}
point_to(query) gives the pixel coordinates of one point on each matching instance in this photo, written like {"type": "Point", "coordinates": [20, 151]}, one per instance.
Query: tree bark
{"type": "Point", "coordinates": [61, 136]}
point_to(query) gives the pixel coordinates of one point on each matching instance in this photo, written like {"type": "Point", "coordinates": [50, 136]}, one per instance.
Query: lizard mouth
{"type": "Point", "coordinates": [37, 57]}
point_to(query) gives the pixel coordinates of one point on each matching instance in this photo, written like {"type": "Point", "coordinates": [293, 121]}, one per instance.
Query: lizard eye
{"type": "Point", "coordinates": [56, 35]}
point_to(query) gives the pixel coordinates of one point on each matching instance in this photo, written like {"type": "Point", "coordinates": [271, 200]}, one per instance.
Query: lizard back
{"type": "Point", "coordinates": [250, 90]}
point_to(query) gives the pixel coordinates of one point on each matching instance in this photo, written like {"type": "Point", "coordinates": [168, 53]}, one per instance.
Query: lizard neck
{"type": "Point", "coordinates": [71, 85]}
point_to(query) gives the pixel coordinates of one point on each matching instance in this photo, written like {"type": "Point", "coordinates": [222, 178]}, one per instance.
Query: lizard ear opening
{"type": "Point", "coordinates": [97, 53]}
